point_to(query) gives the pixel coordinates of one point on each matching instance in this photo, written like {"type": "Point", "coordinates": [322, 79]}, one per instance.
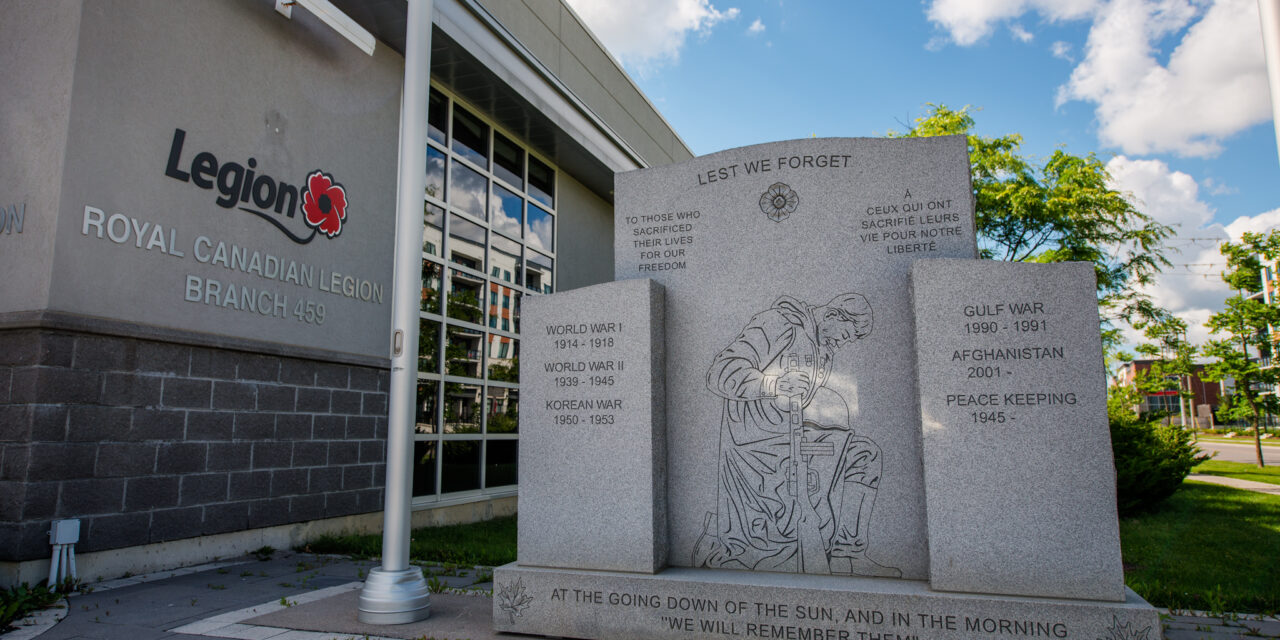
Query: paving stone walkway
{"type": "Point", "coordinates": [295, 596]}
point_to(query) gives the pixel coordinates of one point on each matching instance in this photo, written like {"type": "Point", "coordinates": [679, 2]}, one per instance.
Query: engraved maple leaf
{"type": "Point", "coordinates": [1125, 631]}
{"type": "Point", "coordinates": [513, 599]}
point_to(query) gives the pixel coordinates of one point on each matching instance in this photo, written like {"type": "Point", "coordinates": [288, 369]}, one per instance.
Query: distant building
{"type": "Point", "coordinates": [1207, 394]}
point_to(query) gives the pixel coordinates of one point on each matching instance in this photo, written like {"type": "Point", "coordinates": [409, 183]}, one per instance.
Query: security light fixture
{"type": "Point", "coordinates": [333, 17]}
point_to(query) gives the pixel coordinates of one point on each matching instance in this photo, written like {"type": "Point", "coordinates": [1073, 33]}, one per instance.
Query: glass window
{"type": "Point", "coordinates": [542, 182]}
{"type": "Point", "coordinates": [508, 160]}
{"type": "Point", "coordinates": [500, 463]}
{"type": "Point", "coordinates": [504, 359]}
{"type": "Point", "coordinates": [506, 254]}
{"type": "Point", "coordinates": [432, 228]}
{"type": "Point", "coordinates": [466, 243]}
{"type": "Point", "coordinates": [493, 322]}
{"type": "Point", "coordinates": [470, 137]}
{"type": "Point", "coordinates": [468, 190]}
{"type": "Point", "coordinates": [461, 408]}
{"type": "Point", "coordinates": [505, 211]}
{"type": "Point", "coordinates": [431, 284]}
{"type": "Point", "coordinates": [462, 352]}
{"type": "Point", "coordinates": [515, 311]}
{"type": "Point", "coordinates": [436, 162]}
{"type": "Point", "coordinates": [464, 297]}
{"type": "Point", "coordinates": [540, 229]}
{"type": "Point", "coordinates": [460, 466]}
{"type": "Point", "coordinates": [493, 296]}
{"type": "Point", "coordinates": [539, 272]}
{"type": "Point", "coordinates": [428, 346]}
{"type": "Point", "coordinates": [437, 116]}
{"type": "Point", "coordinates": [425, 409]}
{"type": "Point", "coordinates": [424, 469]}
{"type": "Point", "coordinates": [504, 410]}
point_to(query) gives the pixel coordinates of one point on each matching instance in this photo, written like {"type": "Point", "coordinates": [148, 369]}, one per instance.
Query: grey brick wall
{"type": "Point", "coordinates": [149, 441]}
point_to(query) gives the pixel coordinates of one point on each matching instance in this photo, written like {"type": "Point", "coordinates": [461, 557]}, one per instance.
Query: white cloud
{"type": "Point", "coordinates": [1213, 86]}
{"type": "Point", "coordinates": [1219, 188]}
{"type": "Point", "coordinates": [1192, 288]}
{"type": "Point", "coordinates": [648, 33]}
{"type": "Point", "coordinates": [1020, 33]}
{"type": "Point", "coordinates": [968, 21]}
{"type": "Point", "coordinates": [756, 27]}
{"type": "Point", "coordinates": [1260, 223]}
{"type": "Point", "coordinates": [1062, 51]}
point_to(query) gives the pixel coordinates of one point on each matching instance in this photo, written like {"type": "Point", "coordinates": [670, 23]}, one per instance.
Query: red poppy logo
{"type": "Point", "coordinates": [325, 203]}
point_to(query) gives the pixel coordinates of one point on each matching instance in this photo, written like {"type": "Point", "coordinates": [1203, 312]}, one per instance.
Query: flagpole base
{"type": "Point", "coordinates": [394, 597]}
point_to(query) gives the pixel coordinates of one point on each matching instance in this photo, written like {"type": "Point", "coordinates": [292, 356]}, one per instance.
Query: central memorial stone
{"type": "Point", "coordinates": [795, 494]}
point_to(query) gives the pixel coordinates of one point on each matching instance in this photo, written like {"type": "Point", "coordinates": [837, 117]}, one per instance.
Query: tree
{"type": "Point", "coordinates": [1059, 211]}
{"type": "Point", "coordinates": [1246, 321]}
{"type": "Point", "coordinates": [1174, 362]}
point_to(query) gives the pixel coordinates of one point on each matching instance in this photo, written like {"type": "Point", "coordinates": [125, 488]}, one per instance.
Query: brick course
{"type": "Point", "coordinates": [148, 441]}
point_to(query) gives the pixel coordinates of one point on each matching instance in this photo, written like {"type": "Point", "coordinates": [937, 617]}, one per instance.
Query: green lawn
{"type": "Point", "coordinates": [1241, 470]}
{"type": "Point", "coordinates": [489, 543]}
{"type": "Point", "coordinates": [1208, 547]}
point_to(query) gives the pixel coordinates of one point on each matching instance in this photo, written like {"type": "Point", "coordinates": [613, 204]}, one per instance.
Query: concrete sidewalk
{"type": "Point", "coordinates": [295, 596]}
{"type": "Point", "coordinates": [1249, 485]}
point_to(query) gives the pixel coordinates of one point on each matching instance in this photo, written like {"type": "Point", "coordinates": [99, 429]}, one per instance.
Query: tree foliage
{"type": "Point", "coordinates": [1152, 459]}
{"type": "Point", "coordinates": [1059, 210]}
{"type": "Point", "coordinates": [1244, 324]}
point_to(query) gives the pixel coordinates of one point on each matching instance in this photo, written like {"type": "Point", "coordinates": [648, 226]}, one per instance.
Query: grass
{"type": "Point", "coordinates": [17, 602]}
{"type": "Point", "coordinates": [1207, 547]}
{"type": "Point", "coordinates": [1241, 470]}
{"type": "Point", "coordinates": [490, 543]}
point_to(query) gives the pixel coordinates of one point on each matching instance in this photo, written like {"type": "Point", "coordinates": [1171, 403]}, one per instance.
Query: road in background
{"type": "Point", "coordinates": [1242, 452]}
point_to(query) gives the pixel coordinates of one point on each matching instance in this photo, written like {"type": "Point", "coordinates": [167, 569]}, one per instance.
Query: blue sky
{"type": "Point", "coordinates": [1171, 93]}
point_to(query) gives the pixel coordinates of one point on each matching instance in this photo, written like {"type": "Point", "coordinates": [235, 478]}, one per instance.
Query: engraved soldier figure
{"type": "Point", "coordinates": [796, 485]}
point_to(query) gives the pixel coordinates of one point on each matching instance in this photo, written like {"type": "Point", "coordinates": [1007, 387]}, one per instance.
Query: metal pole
{"type": "Point", "coordinates": [396, 593]}
{"type": "Point", "coordinates": [1269, 12]}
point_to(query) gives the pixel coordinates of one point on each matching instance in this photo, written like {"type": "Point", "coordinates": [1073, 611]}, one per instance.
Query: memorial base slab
{"type": "Point", "coordinates": [711, 603]}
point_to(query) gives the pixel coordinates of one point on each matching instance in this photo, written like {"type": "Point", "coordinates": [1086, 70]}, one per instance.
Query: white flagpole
{"type": "Point", "coordinates": [396, 593]}
{"type": "Point", "coordinates": [1269, 12]}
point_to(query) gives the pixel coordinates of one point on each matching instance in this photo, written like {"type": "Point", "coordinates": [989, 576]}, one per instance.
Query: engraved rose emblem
{"type": "Point", "coordinates": [779, 202]}
{"type": "Point", "coordinates": [325, 203]}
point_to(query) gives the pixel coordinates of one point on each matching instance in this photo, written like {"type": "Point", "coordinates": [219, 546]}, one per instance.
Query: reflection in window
{"type": "Point", "coordinates": [460, 466]}
{"type": "Point", "coordinates": [540, 229]}
{"type": "Point", "coordinates": [432, 228]}
{"type": "Point", "coordinates": [466, 243]}
{"type": "Point", "coordinates": [504, 358]}
{"type": "Point", "coordinates": [539, 272]}
{"type": "Point", "coordinates": [424, 409]}
{"type": "Point", "coordinates": [506, 258]}
{"type": "Point", "coordinates": [462, 352]}
{"type": "Point", "coordinates": [437, 116]}
{"type": "Point", "coordinates": [508, 160]}
{"type": "Point", "coordinates": [470, 137]}
{"type": "Point", "coordinates": [431, 275]}
{"type": "Point", "coordinates": [542, 182]}
{"type": "Point", "coordinates": [435, 173]}
{"type": "Point", "coordinates": [461, 408]}
{"type": "Point", "coordinates": [465, 297]}
{"type": "Point", "coordinates": [424, 469]}
{"type": "Point", "coordinates": [469, 191]}
{"type": "Point", "coordinates": [500, 463]}
{"type": "Point", "coordinates": [504, 410]}
{"type": "Point", "coordinates": [515, 311]}
{"type": "Point", "coordinates": [428, 346]}
{"type": "Point", "coordinates": [504, 210]}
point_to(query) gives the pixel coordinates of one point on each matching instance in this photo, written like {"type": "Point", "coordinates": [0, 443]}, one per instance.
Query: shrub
{"type": "Point", "coordinates": [1152, 459]}
{"type": "Point", "coordinates": [16, 602]}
